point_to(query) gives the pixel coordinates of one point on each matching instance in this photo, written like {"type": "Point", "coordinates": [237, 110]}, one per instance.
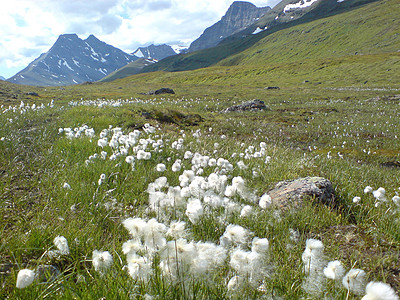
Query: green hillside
{"type": "Point", "coordinates": [374, 28]}
{"type": "Point", "coordinates": [370, 28]}
{"type": "Point", "coordinates": [130, 69]}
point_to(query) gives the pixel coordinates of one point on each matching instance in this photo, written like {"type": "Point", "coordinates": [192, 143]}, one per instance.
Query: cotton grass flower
{"type": "Point", "coordinates": [354, 281]}
{"type": "Point", "coordinates": [379, 291]}
{"type": "Point", "coordinates": [234, 235]}
{"type": "Point", "coordinates": [61, 244]}
{"type": "Point", "coordinates": [194, 210]}
{"type": "Point", "coordinates": [265, 201]}
{"type": "Point", "coordinates": [25, 277]}
{"type": "Point", "coordinates": [334, 270]}
{"type": "Point", "coordinates": [160, 168]}
{"type": "Point", "coordinates": [367, 189]}
{"type": "Point", "coordinates": [102, 260]}
{"type": "Point", "coordinates": [356, 199]}
{"type": "Point", "coordinates": [380, 194]}
{"type": "Point", "coordinates": [312, 255]}
{"type": "Point", "coordinates": [246, 211]}
{"type": "Point", "coordinates": [66, 186]}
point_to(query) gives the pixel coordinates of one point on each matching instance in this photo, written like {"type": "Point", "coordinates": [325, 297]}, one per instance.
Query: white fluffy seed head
{"type": "Point", "coordinates": [379, 291]}
{"type": "Point", "coordinates": [24, 278]}
{"type": "Point", "coordinates": [354, 281]}
{"type": "Point", "coordinates": [102, 261]}
{"type": "Point", "coordinates": [246, 211]}
{"type": "Point", "coordinates": [62, 245]}
{"type": "Point", "coordinates": [334, 270]}
{"type": "Point", "coordinates": [160, 168]}
{"type": "Point", "coordinates": [265, 201]}
{"type": "Point", "coordinates": [260, 246]}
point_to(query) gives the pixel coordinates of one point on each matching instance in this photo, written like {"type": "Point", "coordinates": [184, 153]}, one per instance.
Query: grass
{"type": "Point", "coordinates": [302, 128]}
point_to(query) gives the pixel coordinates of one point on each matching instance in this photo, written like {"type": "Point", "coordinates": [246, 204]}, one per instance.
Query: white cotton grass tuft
{"type": "Point", "coordinates": [25, 277]}
{"type": "Point", "coordinates": [234, 235]}
{"type": "Point", "coordinates": [314, 262]}
{"type": "Point", "coordinates": [380, 194]}
{"type": "Point", "coordinates": [368, 189]}
{"type": "Point", "coordinates": [356, 199]}
{"type": "Point", "coordinates": [354, 281]}
{"type": "Point", "coordinates": [160, 168]}
{"type": "Point", "coordinates": [66, 186]}
{"type": "Point", "coordinates": [396, 201]}
{"type": "Point", "coordinates": [379, 291]}
{"type": "Point", "coordinates": [61, 244]}
{"type": "Point", "coordinates": [177, 229]}
{"type": "Point", "coordinates": [194, 210]}
{"type": "Point", "coordinates": [246, 211]}
{"type": "Point", "coordinates": [312, 255]}
{"type": "Point", "coordinates": [260, 246]}
{"type": "Point", "coordinates": [102, 260]}
{"type": "Point", "coordinates": [265, 201]}
{"type": "Point", "coordinates": [334, 270]}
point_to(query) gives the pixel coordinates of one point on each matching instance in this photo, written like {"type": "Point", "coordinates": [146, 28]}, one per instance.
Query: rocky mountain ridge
{"type": "Point", "coordinates": [72, 60]}
{"type": "Point", "coordinates": [154, 52]}
{"type": "Point", "coordinates": [239, 16]}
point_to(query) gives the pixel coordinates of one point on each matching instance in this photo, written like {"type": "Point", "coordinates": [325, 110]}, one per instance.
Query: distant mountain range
{"type": "Point", "coordinates": [2, 78]}
{"type": "Point", "coordinates": [72, 60]}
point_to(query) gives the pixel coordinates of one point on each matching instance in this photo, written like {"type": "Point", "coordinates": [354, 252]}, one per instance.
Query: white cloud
{"type": "Point", "coordinates": [29, 28]}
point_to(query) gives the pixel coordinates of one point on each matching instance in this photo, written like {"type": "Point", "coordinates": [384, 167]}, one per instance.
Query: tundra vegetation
{"type": "Point", "coordinates": [108, 193]}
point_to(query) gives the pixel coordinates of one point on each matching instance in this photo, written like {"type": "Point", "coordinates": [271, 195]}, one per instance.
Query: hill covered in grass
{"type": "Point", "coordinates": [362, 28]}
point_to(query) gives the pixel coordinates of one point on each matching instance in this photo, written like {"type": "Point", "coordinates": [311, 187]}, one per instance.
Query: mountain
{"type": "Point", "coordinates": [239, 16]}
{"type": "Point", "coordinates": [237, 43]}
{"type": "Point", "coordinates": [2, 78]}
{"type": "Point", "coordinates": [132, 68]}
{"type": "Point", "coordinates": [155, 52]}
{"type": "Point", "coordinates": [72, 60]}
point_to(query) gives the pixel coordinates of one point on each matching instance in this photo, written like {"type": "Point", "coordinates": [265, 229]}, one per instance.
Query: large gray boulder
{"type": "Point", "coordinates": [292, 193]}
{"type": "Point", "coordinates": [252, 105]}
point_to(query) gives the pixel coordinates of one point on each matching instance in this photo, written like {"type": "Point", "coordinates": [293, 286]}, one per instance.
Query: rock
{"type": "Point", "coordinates": [293, 192]}
{"type": "Point", "coordinates": [32, 94]}
{"type": "Point", "coordinates": [391, 164]}
{"type": "Point", "coordinates": [46, 273]}
{"type": "Point", "coordinates": [272, 88]}
{"type": "Point", "coordinates": [253, 105]}
{"type": "Point", "coordinates": [161, 91]}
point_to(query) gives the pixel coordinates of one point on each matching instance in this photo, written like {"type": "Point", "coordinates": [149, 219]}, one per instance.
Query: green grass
{"type": "Point", "coordinates": [334, 116]}
{"type": "Point", "coordinates": [301, 128]}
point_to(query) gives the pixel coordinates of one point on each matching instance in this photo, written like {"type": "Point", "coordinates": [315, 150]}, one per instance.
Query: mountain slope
{"type": "Point", "coordinates": [238, 17]}
{"type": "Point", "coordinates": [155, 52]}
{"type": "Point", "coordinates": [236, 44]}
{"type": "Point", "coordinates": [72, 60]}
{"type": "Point", "coordinates": [130, 69]}
{"type": "Point", "coordinates": [370, 29]}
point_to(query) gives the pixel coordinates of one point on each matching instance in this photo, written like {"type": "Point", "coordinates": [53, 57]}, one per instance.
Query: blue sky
{"type": "Point", "coordinates": [30, 27]}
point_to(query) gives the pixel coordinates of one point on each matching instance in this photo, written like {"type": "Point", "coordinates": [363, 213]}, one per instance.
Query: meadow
{"type": "Point", "coordinates": [132, 196]}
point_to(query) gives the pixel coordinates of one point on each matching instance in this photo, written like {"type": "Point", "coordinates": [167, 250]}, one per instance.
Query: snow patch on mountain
{"type": "Point", "coordinates": [301, 4]}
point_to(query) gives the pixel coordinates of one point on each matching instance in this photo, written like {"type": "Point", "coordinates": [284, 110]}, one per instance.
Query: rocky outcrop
{"type": "Point", "coordinates": [292, 193]}
{"type": "Point", "coordinates": [239, 16]}
{"type": "Point", "coordinates": [252, 105]}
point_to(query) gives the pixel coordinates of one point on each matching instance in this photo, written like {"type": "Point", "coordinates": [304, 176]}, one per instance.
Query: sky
{"type": "Point", "coordinates": [30, 27]}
